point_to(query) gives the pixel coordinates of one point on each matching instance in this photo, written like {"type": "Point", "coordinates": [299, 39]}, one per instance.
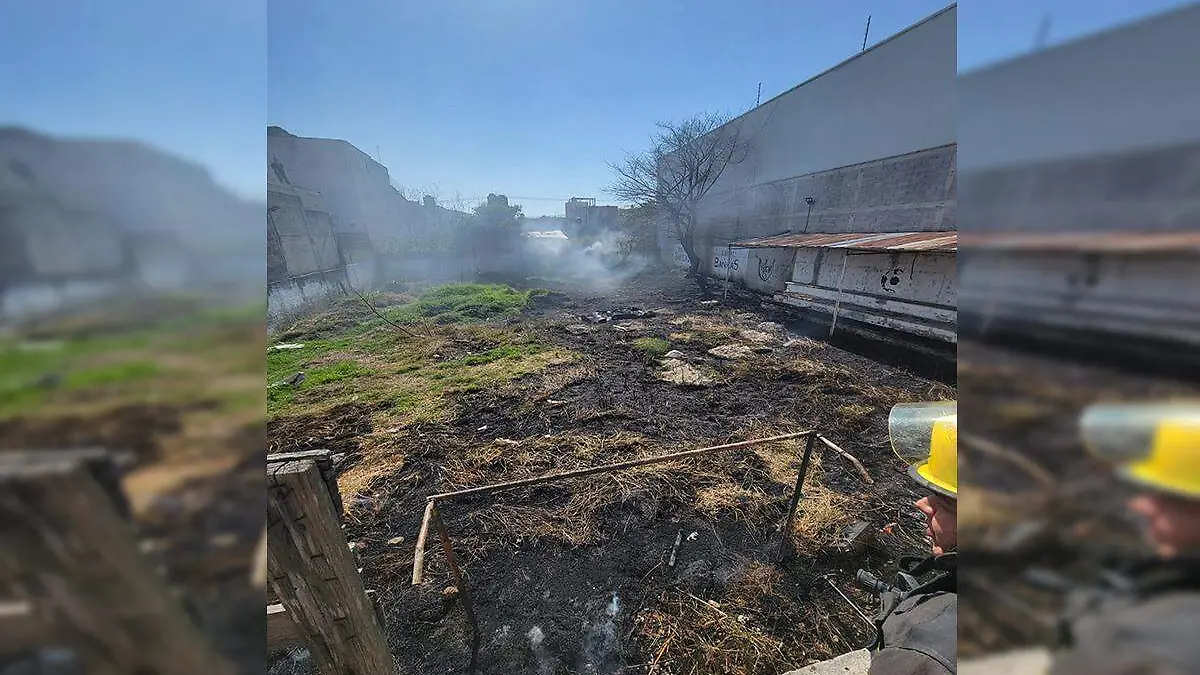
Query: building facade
{"type": "Point", "coordinates": [355, 189]}
{"type": "Point", "coordinates": [846, 182]}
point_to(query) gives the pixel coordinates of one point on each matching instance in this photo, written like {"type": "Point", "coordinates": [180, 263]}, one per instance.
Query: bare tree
{"type": "Point", "coordinates": [684, 161]}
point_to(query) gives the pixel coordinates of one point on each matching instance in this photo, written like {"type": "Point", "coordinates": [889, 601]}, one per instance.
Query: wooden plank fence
{"type": "Point", "coordinates": [72, 575]}
{"type": "Point", "coordinates": [323, 604]}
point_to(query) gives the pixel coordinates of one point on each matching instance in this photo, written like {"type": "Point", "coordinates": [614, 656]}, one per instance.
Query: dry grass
{"type": "Point", "coordinates": [855, 413]}
{"type": "Point", "coordinates": [728, 500]}
{"type": "Point", "coordinates": [820, 518]}
{"type": "Point", "coordinates": [573, 512]}
{"type": "Point", "coordinates": [704, 331]}
{"type": "Point", "coordinates": [735, 633]}
{"type": "Point", "coordinates": [700, 637]}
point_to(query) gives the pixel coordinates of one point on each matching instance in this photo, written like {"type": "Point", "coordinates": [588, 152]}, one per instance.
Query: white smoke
{"type": "Point", "coordinates": [600, 649]}
{"type": "Point", "coordinates": [544, 660]}
{"type": "Point", "coordinates": [601, 265]}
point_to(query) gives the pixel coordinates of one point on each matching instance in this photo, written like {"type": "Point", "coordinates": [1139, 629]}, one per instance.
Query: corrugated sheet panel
{"type": "Point", "coordinates": [1085, 242]}
{"type": "Point", "coordinates": [878, 241]}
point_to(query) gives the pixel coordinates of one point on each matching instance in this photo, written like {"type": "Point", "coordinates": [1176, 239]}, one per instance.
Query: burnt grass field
{"type": "Point", "coordinates": [448, 388]}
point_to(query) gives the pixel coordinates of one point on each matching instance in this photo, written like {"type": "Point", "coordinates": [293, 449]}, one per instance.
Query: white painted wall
{"type": "Point", "coordinates": [909, 292]}
{"type": "Point", "coordinates": [897, 97]}
{"type": "Point", "coordinates": [1116, 294]}
{"type": "Point", "coordinates": [914, 277]}
{"type": "Point", "coordinates": [1127, 89]}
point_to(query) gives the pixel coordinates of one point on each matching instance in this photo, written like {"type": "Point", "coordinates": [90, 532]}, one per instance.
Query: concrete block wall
{"type": "Point", "coordinates": [1074, 137]}
{"type": "Point", "coordinates": [1146, 190]}
{"type": "Point", "coordinates": [914, 192]}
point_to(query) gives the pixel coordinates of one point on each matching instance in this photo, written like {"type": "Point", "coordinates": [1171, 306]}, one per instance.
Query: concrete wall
{"type": "Point", "coordinates": [305, 232]}
{"type": "Point", "coordinates": [1101, 95]}
{"type": "Point", "coordinates": [871, 140]}
{"type": "Point", "coordinates": [1097, 134]}
{"type": "Point", "coordinates": [768, 270]}
{"type": "Point", "coordinates": [356, 189]}
{"type": "Point", "coordinates": [1111, 294]}
{"type": "Point", "coordinates": [910, 292]}
{"type": "Point", "coordinates": [56, 243]}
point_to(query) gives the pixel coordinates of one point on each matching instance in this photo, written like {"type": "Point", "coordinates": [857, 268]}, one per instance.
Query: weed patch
{"type": "Point", "coordinates": [652, 347]}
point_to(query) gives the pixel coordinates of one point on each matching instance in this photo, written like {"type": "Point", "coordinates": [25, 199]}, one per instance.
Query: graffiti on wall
{"type": "Point", "coordinates": [723, 261]}
{"type": "Point", "coordinates": [679, 256]}
{"type": "Point", "coordinates": [891, 279]}
{"type": "Point", "coordinates": [766, 268]}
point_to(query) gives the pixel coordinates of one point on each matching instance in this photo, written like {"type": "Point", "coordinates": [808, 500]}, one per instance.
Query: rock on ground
{"type": "Point", "coordinates": [678, 372]}
{"type": "Point", "coordinates": [675, 354]}
{"type": "Point", "coordinates": [857, 662]}
{"type": "Point", "coordinates": [758, 337]}
{"type": "Point", "coordinates": [732, 352]}
{"type": "Point", "coordinates": [1034, 660]}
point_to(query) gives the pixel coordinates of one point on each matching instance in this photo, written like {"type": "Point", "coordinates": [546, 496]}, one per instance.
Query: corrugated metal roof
{"type": "Point", "coordinates": [1099, 242]}
{"type": "Point", "coordinates": [878, 241]}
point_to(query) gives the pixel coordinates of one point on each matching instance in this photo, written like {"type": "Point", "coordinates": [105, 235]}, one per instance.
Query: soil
{"type": "Point", "coordinates": [547, 606]}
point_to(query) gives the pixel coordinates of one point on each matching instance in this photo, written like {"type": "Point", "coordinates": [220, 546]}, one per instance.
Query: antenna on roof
{"type": "Point", "coordinates": [1043, 32]}
{"type": "Point", "coordinates": [758, 99]}
{"type": "Point", "coordinates": [866, 33]}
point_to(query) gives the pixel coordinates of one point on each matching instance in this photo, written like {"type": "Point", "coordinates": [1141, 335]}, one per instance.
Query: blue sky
{"type": "Point", "coordinates": [188, 76]}
{"type": "Point", "coordinates": [528, 97]}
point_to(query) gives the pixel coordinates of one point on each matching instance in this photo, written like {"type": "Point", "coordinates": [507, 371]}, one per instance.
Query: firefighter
{"type": "Point", "coordinates": [916, 628]}
{"type": "Point", "coordinates": [1145, 618]}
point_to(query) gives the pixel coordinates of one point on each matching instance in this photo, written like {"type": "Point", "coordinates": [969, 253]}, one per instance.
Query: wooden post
{"type": "Point", "coordinates": [418, 574]}
{"type": "Point", "coordinates": [785, 544]}
{"type": "Point", "coordinates": [68, 557]}
{"type": "Point", "coordinates": [282, 632]}
{"type": "Point", "coordinates": [315, 576]}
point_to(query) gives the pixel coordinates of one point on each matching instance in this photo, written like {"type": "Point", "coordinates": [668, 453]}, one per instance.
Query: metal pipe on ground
{"type": "Point", "coordinates": [785, 535]}
{"type": "Point", "coordinates": [464, 593]}
{"type": "Point", "coordinates": [498, 487]}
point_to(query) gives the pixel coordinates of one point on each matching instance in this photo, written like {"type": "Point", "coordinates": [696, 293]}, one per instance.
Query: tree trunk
{"type": "Point", "coordinates": [687, 237]}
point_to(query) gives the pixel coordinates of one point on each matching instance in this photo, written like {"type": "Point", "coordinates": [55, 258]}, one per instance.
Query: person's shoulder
{"type": "Point", "coordinates": [923, 628]}
{"type": "Point", "coordinates": [910, 661]}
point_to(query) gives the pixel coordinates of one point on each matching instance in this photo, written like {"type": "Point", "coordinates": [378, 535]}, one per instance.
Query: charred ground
{"type": "Point", "coordinates": [574, 576]}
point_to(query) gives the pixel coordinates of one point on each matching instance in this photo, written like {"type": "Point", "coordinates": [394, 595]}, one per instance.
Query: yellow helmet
{"type": "Point", "coordinates": [925, 436]}
{"type": "Point", "coordinates": [1155, 445]}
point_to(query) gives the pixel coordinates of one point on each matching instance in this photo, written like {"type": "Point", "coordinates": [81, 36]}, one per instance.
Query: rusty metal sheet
{"type": "Point", "coordinates": [877, 241]}
{"type": "Point", "coordinates": [1087, 242]}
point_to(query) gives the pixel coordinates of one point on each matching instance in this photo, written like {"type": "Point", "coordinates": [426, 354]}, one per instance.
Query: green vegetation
{"type": "Point", "coordinates": [411, 376]}
{"type": "Point", "coordinates": [117, 373]}
{"type": "Point", "coordinates": [458, 303]}
{"type": "Point", "coordinates": [652, 347]}
{"type": "Point", "coordinates": [166, 349]}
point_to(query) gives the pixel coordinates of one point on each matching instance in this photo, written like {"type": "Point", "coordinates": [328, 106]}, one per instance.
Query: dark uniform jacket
{"type": "Point", "coordinates": [1146, 620]}
{"type": "Point", "coordinates": [917, 629]}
